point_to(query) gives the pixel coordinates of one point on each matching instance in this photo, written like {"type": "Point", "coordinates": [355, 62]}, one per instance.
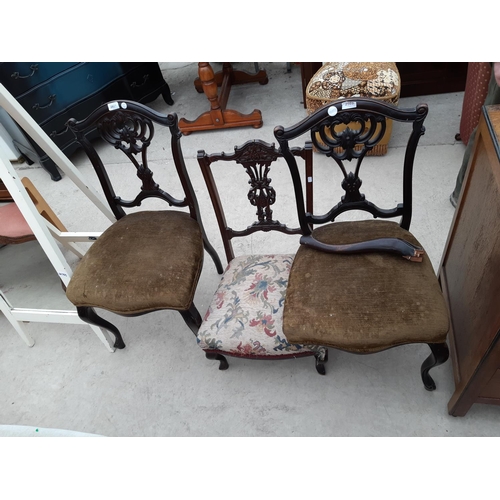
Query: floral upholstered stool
{"type": "Point", "coordinates": [245, 317]}
{"type": "Point", "coordinates": [337, 80]}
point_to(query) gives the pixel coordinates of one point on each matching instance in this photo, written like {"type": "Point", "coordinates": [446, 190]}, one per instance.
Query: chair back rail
{"type": "Point", "coordinates": [129, 127]}
{"type": "Point", "coordinates": [347, 130]}
{"type": "Point", "coordinates": [256, 157]}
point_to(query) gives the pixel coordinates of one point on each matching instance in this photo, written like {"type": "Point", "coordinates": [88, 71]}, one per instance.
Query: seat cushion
{"type": "Point", "coordinates": [145, 261]}
{"type": "Point", "coordinates": [246, 313]}
{"type": "Point", "coordinates": [13, 226]}
{"type": "Point", "coordinates": [363, 302]}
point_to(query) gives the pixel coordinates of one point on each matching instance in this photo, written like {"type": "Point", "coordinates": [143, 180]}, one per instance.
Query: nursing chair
{"type": "Point", "coordinates": [349, 287]}
{"type": "Point", "coordinates": [244, 318]}
{"type": "Point", "coordinates": [147, 260]}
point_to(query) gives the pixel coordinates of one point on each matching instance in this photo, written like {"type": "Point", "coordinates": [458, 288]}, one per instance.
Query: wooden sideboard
{"type": "Point", "coordinates": [54, 92]}
{"type": "Point", "coordinates": [470, 274]}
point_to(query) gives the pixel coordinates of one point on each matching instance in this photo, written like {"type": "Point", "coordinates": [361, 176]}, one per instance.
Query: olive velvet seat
{"type": "Point", "coordinates": [349, 287]}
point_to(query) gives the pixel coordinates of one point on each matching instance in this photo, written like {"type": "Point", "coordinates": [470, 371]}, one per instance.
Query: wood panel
{"type": "Point", "coordinates": [426, 78]}
{"type": "Point", "coordinates": [470, 273]}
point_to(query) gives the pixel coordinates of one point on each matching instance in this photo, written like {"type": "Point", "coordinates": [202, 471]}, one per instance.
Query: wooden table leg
{"type": "Point", "coordinates": [236, 77]}
{"type": "Point", "coordinates": [219, 117]}
{"type": "Point", "coordinates": [307, 71]}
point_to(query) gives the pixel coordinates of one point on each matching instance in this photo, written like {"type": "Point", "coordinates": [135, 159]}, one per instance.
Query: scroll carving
{"type": "Point", "coordinates": [346, 137]}
{"type": "Point", "coordinates": [256, 158]}
{"type": "Point", "coordinates": [132, 134]}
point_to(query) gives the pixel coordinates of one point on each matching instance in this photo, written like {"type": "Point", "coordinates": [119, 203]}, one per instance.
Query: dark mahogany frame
{"type": "Point", "coordinates": [353, 144]}
{"type": "Point", "coordinates": [129, 126]}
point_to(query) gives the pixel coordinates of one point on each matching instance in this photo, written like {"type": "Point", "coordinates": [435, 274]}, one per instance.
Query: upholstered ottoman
{"type": "Point", "coordinates": [337, 80]}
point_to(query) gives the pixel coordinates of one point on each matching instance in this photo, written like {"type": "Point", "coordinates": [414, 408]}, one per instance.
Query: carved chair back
{"type": "Point", "coordinates": [129, 127]}
{"type": "Point", "coordinates": [255, 158]}
{"type": "Point", "coordinates": [347, 130]}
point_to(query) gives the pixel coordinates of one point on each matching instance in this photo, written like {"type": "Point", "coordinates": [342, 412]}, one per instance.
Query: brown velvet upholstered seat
{"type": "Point", "coordinates": [169, 247]}
{"type": "Point", "coordinates": [349, 286]}
{"type": "Point", "coordinates": [363, 302]}
{"type": "Point", "coordinates": [147, 260]}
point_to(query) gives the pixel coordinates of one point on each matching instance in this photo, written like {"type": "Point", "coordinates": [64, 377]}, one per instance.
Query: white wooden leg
{"type": "Point", "coordinates": [18, 315]}
{"type": "Point", "coordinates": [37, 223]}
{"type": "Point", "coordinates": [6, 308]}
{"type": "Point", "coordinates": [31, 127]}
{"type": "Point", "coordinates": [46, 240]}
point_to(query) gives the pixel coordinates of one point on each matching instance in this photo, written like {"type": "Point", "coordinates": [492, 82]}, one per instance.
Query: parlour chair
{"type": "Point", "coordinates": [349, 287]}
{"type": "Point", "coordinates": [244, 318]}
{"type": "Point", "coordinates": [147, 260]}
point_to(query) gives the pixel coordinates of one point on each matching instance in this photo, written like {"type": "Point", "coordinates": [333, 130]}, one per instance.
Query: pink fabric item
{"type": "Point", "coordinates": [13, 225]}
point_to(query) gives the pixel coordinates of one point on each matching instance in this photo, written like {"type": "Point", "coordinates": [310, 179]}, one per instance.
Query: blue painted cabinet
{"type": "Point", "coordinates": [54, 92]}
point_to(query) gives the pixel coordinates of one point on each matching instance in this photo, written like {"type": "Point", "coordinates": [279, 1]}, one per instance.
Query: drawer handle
{"type": "Point", "coordinates": [52, 98]}
{"type": "Point", "coordinates": [54, 133]}
{"type": "Point", "coordinates": [33, 68]}
{"type": "Point", "coordinates": [144, 80]}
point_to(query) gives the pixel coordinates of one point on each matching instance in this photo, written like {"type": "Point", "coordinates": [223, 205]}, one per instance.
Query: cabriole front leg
{"type": "Point", "coordinates": [438, 356]}
{"type": "Point", "coordinates": [89, 315]}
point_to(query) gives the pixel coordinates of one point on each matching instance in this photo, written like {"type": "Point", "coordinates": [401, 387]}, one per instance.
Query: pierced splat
{"type": "Point", "coordinates": [346, 137]}
{"type": "Point", "coordinates": [347, 130]}
{"type": "Point", "coordinates": [132, 134]}
{"type": "Point", "coordinates": [257, 159]}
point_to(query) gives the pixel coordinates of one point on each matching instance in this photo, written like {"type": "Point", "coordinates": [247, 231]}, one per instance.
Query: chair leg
{"type": "Point", "coordinates": [211, 251]}
{"type": "Point", "coordinates": [192, 318]}
{"type": "Point", "coordinates": [438, 356]}
{"type": "Point", "coordinates": [224, 365]}
{"type": "Point", "coordinates": [89, 315]}
{"type": "Point", "coordinates": [320, 363]}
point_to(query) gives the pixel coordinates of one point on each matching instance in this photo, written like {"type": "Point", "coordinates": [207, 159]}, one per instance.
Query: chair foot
{"type": "Point", "coordinates": [89, 315]}
{"type": "Point", "coordinates": [439, 354]}
{"type": "Point", "coordinates": [320, 363]}
{"type": "Point", "coordinates": [224, 365]}
{"type": "Point", "coordinates": [192, 318]}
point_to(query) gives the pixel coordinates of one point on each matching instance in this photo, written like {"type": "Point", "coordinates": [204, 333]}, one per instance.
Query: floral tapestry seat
{"type": "Point", "coordinates": [246, 314]}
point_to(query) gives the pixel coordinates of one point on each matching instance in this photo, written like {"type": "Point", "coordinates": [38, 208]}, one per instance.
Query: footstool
{"type": "Point", "coordinates": [337, 80]}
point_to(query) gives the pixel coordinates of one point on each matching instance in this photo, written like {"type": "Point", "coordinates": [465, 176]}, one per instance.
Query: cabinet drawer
{"type": "Point", "coordinates": [143, 80]}
{"type": "Point", "coordinates": [56, 127]}
{"type": "Point", "coordinates": [19, 77]}
{"type": "Point", "coordinates": [63, 91]}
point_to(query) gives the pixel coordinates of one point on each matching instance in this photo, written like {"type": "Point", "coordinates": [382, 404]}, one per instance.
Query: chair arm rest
{"type": "Point", "coordinates": [392, 245]}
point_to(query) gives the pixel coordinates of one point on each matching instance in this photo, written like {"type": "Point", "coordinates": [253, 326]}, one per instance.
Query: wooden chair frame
{"type": "Point", "coordinates": [331, 137]}
{"type": "Point", "coordinates": [256, 158]}
{"type": "Point", "coordinates": [129, 127]}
